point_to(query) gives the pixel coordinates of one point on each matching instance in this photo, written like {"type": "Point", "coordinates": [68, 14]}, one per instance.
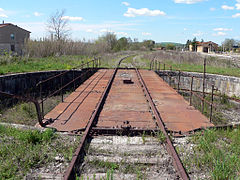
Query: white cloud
{"type": "Point", "coordinates": [110, 31]}
{"type": "Point", "coordinates": [70, 18]}
{"type": "Point", "coordinates": [121, 33]}
{"type": "Point", "coordinates": [225, 7]}
{"type": "Point", "coordinates": [212, 9]}
{"type": "Point", "coordinates": [220, 34]}
{"type": "Point", "coordinates": [37, 14]}
{"type": "Point", "coordinates": [2, 13]}
{"type": "Point", "coordinates": [188, 1]}
{"type": "Point", "coordinates": [238, 5]}
{"type": "Point", "coordinates": [106, 31]}
{"type": "Point", "coordinates": [222, 29]}
{"type": "Point", "coordinates": [236, 15]}
{"type": "Point", "coordinates": [131, 12]}
{"type": "Point", "coordinates": [126, 3]}
{"type": "Point", "coordinates": [185, 29]}
{"type": "Point", "coordinates": [146, 34]}
{"type": "Point", "coordinates": [199, 33]}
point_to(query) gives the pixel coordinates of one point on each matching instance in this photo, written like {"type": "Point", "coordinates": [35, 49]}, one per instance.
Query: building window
{"type": "Point", "coordinates": [12, 48]}
{"type": "Point", "coordinates": [12, 36]}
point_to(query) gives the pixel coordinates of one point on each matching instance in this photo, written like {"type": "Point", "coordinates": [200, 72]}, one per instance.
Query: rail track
{"type": "Point", "coordinates": [148, 121]}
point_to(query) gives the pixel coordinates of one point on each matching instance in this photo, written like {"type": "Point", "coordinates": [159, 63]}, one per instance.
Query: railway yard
{"type": "Point", "coordinates": [125, 123]}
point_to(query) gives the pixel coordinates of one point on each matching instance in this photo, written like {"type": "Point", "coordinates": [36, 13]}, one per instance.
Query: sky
{"type": "Point", "coordinates": [159, 20]}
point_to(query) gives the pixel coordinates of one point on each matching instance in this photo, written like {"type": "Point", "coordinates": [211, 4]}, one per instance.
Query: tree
{"type": "Point", "coordinates": [228, 44]}
{"type": "Point", "coordinates": [170, 46]}
{"type": "Point", "coordinates": [194, 44]}
{"type": "Point", "coordinates": [149, 44]}
{"type": "Point", "coordinates": [110, 39]}
{"type": "Point", "coordinates": [189, 42]}
{"type": "Point", "coordinates": [122, 44]}
{"type": "Point", "coordinates": [57, 25]}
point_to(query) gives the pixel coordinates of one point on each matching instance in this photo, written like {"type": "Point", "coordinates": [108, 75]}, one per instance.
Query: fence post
{"type": "Point", "coordinates": [170, 76]}
{"type": "Point", "coordinates": [179, 77]}
{"type": "Point", "coordinates": [191, 92]}
{"type": "Point", "coordinates": [212, 103]}
{"type": "Point", "coordinates": [204, 76]}
{"type": "Point", "coordinates": [158, 65]}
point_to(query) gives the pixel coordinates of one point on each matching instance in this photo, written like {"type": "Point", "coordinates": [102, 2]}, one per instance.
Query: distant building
{"type": "Point", "coordinates": [206, 47]}
{"type": "Point", "coordinates": [12, 38]}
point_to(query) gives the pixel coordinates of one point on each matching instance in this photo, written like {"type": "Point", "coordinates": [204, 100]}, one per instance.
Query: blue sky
{"type": "Point", "coordinates": [160, 20]}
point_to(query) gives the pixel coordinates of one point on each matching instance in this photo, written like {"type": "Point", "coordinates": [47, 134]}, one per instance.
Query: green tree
{"type": "Point", "coordinates": [122, 44]}
{"type": "Point", "coordinates": [170, 47]}
{"type": "Point", "coordinates": [194, 44]}
{"type": "Point", "coordinates": [149, 44]}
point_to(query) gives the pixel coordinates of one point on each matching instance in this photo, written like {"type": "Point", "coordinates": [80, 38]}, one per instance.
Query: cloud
{"type": "Point", "coordinates": [199, 33]}
{"type": "Point", "coordinates": [2, 13]}
{"type": "Point", "coordinates": [220, 34]}
{"type": "Point", "coordinates": [222, 29]}
{"type": "Point", "coordinates": [131, 12]}
{"type": "Point", "coordinates": [212, 9]}
{"type": "Point", "coordinates": [121, 33]}
{"type": "Point", "coordinates": [70, 18]}
{"type": "Point", "coordinates": [188, 1]}
{"type": "Point", "coordinates": [126, 3]}
{"type": "Point", "coordinates": [37, 14]}
{"type": "Point", "coordinates": [146, 34]}
{"type": "Point", "coordinates": [236, 15]}
{"type": "Point", "coordinates": [237, 6]}
{"type": "Point", "coordinates": [110, 31]}
{"type": "Point", "coordinates": [225, 7]}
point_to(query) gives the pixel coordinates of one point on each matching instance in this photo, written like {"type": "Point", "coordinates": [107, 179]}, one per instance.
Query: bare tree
{"type": "Point", "coordinates": [57, 25]}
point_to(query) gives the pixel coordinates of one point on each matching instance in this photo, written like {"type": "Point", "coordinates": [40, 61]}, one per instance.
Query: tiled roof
{"type": "Point", "coordinates": [3, 25]}
{"type": "Point", "coordinates": [8, 24]}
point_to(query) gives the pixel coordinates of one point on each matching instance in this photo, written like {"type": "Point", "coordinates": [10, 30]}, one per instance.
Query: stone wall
{"type": "Point", "coordinates": [228, 85]}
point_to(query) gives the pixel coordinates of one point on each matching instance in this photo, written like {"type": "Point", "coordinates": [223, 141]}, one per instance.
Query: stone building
{"type": "Point", "coordinates": [206, 47]}
{"type": "Point", "coordinates": [12, 38]}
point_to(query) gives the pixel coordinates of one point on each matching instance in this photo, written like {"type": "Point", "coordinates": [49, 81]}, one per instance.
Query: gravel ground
{"type": "Point", "coordinates": [185, 150]}
{"type": "Point", "coordinates": [128, 158]}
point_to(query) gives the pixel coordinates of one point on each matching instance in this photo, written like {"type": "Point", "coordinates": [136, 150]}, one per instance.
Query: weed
{"type": "Point", "coordinates": [216, 151]}
{"type": "Point", "coordinates": [161, 137]}
{"type": "Point", "coordinates": [22, 150]}
{"type": "Point", "coordinates": [144, 137]}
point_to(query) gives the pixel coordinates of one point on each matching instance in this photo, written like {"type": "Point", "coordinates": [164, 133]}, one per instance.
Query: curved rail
{"type": "Point", "coordinates": [27, 99]}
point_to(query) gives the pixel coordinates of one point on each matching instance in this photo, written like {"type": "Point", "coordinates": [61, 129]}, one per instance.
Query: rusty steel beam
{"type": "Point", "coordinates": [177, 162]}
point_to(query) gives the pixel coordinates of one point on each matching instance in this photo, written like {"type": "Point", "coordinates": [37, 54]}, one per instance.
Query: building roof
{"type": "Point", "coordinates": [206, 43]}
{"type": "Point", "coordinates": [10, 24]}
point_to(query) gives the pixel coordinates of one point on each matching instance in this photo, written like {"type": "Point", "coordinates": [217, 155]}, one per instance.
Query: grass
{"type": "Point", "coordinates": [216, 152]}
{"type": "Point", "coordinates": [210, 69]}
{"type": "Point", "coordinates": [20, 65]}
{"type": "Point", "coordinates": [22, 150]}
{"type": "Point", "coordinates": [25, 113]}
{"type": "Point", "coordinates": [222, 103]}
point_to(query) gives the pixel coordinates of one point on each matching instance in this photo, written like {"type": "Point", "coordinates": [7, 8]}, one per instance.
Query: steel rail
{"type": "Point", "coordinates": [73, 167]}
{"type": "Point", "coordinates": [177, 161]}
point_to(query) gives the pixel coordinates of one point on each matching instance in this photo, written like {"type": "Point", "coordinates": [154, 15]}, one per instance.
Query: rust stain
{"type": "Point", "coordinates": [126, 103]}
{"type": "Point", "coordinates": [175, 112]}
